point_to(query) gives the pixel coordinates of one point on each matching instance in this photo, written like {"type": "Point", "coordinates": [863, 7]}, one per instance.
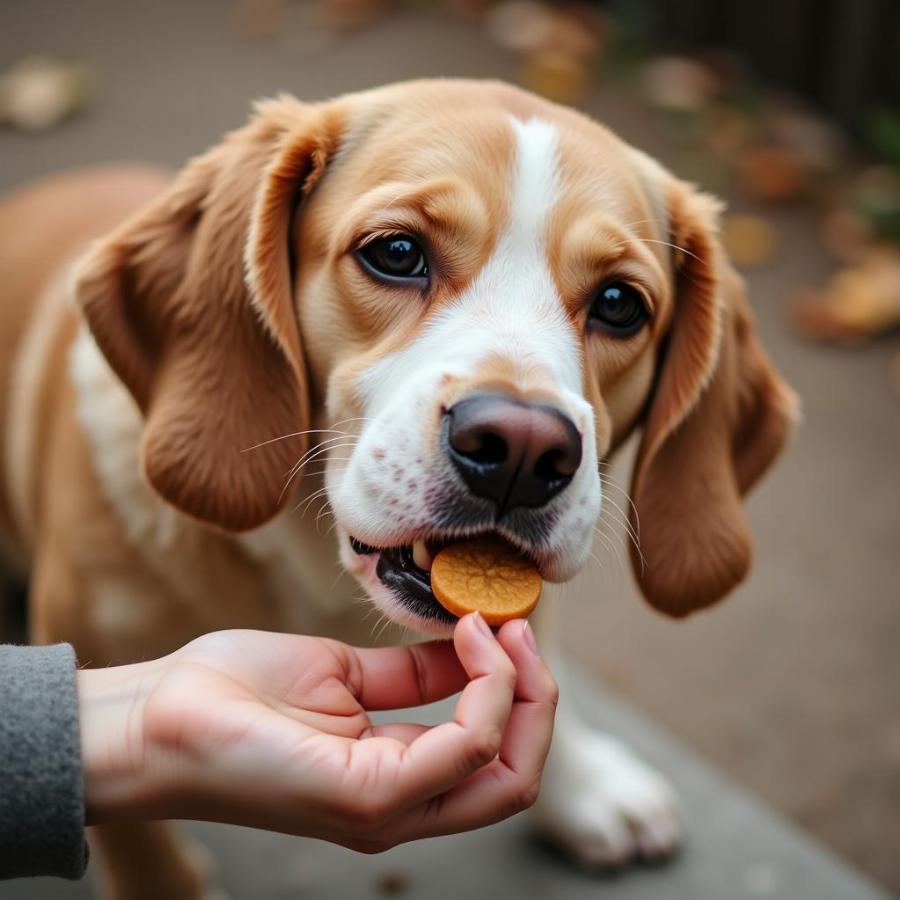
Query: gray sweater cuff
{"type": "Point", "coordinates": [41, 791]}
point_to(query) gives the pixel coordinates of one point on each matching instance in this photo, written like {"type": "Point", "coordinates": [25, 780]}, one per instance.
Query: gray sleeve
{"type": "Point", "coordinates": [41, 792]}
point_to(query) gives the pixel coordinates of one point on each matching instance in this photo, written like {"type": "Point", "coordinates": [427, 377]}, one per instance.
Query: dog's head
{"type": "Point", "coordinates": [483, 294]}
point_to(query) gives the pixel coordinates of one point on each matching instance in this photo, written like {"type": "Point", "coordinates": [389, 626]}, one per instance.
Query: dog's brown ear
{"type": "Point", "coordinates": [719, 415]}
{"type": "Point", "coordinates": [191, 303]}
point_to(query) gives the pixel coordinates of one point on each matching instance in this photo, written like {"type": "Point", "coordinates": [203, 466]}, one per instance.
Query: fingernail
{"type": "Point", "coordinates": [483, 626]}
{"type": "Point", "coordinates": [528, 634]}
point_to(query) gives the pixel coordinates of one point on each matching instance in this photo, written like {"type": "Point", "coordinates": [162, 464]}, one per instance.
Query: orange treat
{"type": "Point", "coordinates": [487, 575]}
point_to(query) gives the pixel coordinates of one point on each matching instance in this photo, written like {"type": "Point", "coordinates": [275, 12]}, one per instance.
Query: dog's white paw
{"type": "Point", "coordinates": [603, 805]}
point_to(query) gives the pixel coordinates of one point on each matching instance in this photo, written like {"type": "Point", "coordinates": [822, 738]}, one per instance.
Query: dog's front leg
{"type": "Point", "coordinates": [598, 801]}
{"type": "Point", "coordinates": [152, 861]}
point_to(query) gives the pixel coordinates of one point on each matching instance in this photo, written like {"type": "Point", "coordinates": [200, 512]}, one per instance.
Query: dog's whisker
{"type": "Point", "coordinates": [392, 202]}
{"type": "Point", "coordinates": [293, 434]}
{"type": "Point", "coordinates": [661, 243]}
{"type": "Point", "coordinates": [613, 520]}
{"type": "Point", "coordinates": [308, 500]}
{"type": "Point", "coordinates": [287, 485]}
{"type": "Point", "coordinates": [307, 505]}
{"type": "Point", "coordinates": [623, 526]}
{"type": "Point", "coordinates": [312, 499]}
{"type": "Point", "coordinates": [621, 517]}
{"type": "Point", "coordinates": [324, 462]}
{"type": "Point", "coordinates": [616, 525]}
{"type": "Point", "coordinates": [639, 222]}
{"type": "Point", "coordinates": [378, 627]}
{"type": "Point", "coordinates": [610, 525]}
{"type": "Point", "coordinates": [669, 244]}
{"type": "Point", "coordinates": [323, 510]}
{"type": "Point", "coordinates": [363, 598]}
{"type": "Point", "coordinates": [338, 577]}
{"type": "Point", "coordinates": [319, 452]}
{"type": "Point", "coordinates": [319, 473]}
{"type": "Point", "coordinates": [318, 492]}
{"type": "Point", "coordinates": [370, 610]}
{"type": "Point", "coordinates": [307, 458]}
{"type": "Point", "coordinates": [624, 520]}
{"type": "Point", "coordinates": [306, 431]}
{"type": "Point", "coordinates": [324, 445]}
{"type": "Point", "coordinates": [610, 546]}
{"type": "Point", "coordinates": [290, 477]}
{"type": "Point", "coordinates": [597, 560]}
{"type": "Point", "coordinates": [609, 483]}
{"type": "Point", "coordinates": [386, 622]}
{"type": "Point", "coordinates": [352, 419]}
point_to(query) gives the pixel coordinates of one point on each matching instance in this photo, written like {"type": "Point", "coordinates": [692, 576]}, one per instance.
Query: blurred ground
{"type": "Point", "coordinates": [792, 686]}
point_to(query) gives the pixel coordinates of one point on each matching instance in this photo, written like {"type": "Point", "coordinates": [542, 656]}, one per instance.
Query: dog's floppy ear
{"type": "Point", "coordinates": [719, 415]}
{"type": "Point", "coordinates": [191, 303]}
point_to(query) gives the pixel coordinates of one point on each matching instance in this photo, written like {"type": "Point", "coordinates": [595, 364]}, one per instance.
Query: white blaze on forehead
{"type": "Point", "coordinates": [536, 183]}
{"type": "Point", "coordinates": [512, 308]}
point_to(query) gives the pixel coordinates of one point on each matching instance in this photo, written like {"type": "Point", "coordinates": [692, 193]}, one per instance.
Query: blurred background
{"type": "Point", "coordinates": [790, 110]}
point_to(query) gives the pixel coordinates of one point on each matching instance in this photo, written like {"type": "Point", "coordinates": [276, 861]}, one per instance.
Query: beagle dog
{"type": "Point", "coordinates": [420, 312]}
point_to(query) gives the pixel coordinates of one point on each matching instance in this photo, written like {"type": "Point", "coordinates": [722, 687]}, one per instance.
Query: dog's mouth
{"type": "Point", "coordinates": [406, 572]}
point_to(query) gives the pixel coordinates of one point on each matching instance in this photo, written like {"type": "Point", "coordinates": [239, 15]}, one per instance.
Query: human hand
{"type": "Point", "coordinates": [272, 731]}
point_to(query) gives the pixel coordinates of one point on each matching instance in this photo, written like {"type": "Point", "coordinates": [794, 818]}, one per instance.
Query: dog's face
{"type": "Point", "coordinates": [494, 307]}
{"type": "Point", "coordinates": [481, 294]}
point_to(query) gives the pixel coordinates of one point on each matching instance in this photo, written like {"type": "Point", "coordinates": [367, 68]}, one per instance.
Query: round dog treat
{"type": "Point", "coordinates": [487, 575]}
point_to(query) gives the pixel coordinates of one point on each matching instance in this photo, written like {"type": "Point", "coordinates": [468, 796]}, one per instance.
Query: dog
{"type": "Point", "coordinates": [437, 308]}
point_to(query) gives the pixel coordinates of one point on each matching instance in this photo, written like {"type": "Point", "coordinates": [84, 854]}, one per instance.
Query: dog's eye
{"type": "Point", "coordinates": [619, 309]}
{"type": "Point", "coordinates": [396, 258]}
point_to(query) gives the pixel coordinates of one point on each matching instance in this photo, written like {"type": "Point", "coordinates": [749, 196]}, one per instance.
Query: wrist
{"type": "Point", "coordinates": [114, 759]}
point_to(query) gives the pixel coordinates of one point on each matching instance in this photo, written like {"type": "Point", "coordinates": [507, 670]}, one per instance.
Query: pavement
{"type": "Point", "coordinates": [790, 687]}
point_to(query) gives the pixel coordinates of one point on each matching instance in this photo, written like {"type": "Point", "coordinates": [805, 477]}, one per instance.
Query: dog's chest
{"type": "Point", "coordinates": [311, 591]}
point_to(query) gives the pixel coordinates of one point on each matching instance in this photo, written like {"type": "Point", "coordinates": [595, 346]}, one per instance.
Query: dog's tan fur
{"type": "Point", "coordinates": [129, 472]}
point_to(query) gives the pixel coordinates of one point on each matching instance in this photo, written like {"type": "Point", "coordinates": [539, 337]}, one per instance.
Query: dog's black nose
{"type": "Point", "coordinates": [511, 452]}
